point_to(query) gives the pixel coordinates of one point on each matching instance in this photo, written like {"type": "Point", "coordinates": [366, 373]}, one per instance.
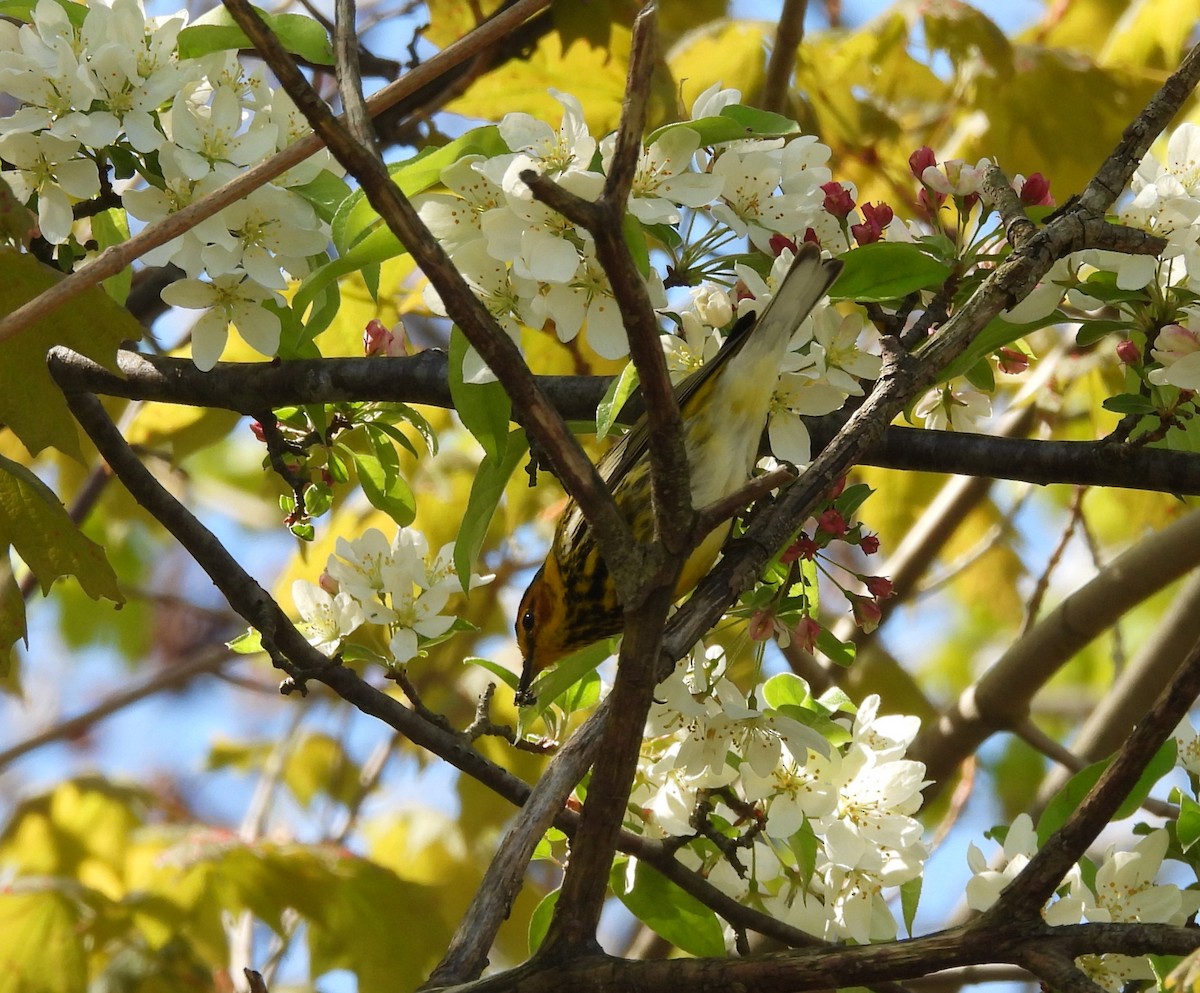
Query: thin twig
{"type": "Point", "coordinates": [349, 75]}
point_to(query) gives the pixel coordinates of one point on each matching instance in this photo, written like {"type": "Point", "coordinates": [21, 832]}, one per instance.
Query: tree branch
{"type": "Point", "coordinates": [1000, 698]}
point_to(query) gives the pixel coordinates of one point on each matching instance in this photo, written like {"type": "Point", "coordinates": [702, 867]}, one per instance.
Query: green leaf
{"type": "Point", "coordinates": [1067, 800]}
{"type": "Point", "coordinates": [356, 217]}
{"type": "Point", "coordinates": [385, 488]}
{"type": "Point", "coordinates": [506, 676]}
{"type": "Point", "coordinates": [828, 729]}
{"type": "Point", "coordinates": [326, 193]}
{"type": "Point", "coordinates": [556, 682]}
{"type": "Point", "coordinates": [484, 408]}
{"type": "Point", "coordinates": [486, 491]}
{"type": "Point", "coordinates": [217, 31]}
{"type": "Point", "coordinates": [910, 896]}
{"type": "Point", "coordinates": [12, 619]}
{"type": "Point", "coordinates": [838, 652]}
{"type": "Point", "coordinates": [1091, 332]}
{"type": "Point", "coordinates": [319, 766]}
{"type": "Point", "coordinates": [1103, 286]}
{"type": "Point", "coordinates": [111, 227]}
{"type": "Point", "coordinates": [539, 920]}
{"type": "Point", "coordinates": [787, 689]}
{"type": "Point", "coordinates": [734, 123]}
{"type": "Point", "coordinates": [93, 324]}
{"type": "Point", "coordinates": [851, 498]}
{"type": "Point", "coordinates": [618, 392]}
{"type": "Point", "coordinates": [22, 10]}
{"type": "Point", "coordinates": [35, 523]}
{"type": "Point", "coordinates": [1130, 403]}
{"type": "Point", "coordinates": [887, 271]}
{"type": "Point", "coordinates": [980, 376]}
{"type": "Point", "coordinates": [395, 434]}
{"type": "Point", "coordinates": [635, 241]}
{"type": "Point", "coordinates": [996, 335]}
{"type": "Point", "coordinates": [247, 643]}
{"type": "Point", "coordinates": [1187, 826]}
{"type": "Point", "coordinates": [672, 913]}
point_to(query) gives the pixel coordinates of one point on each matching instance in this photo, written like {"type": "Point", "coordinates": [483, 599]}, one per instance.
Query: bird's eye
{"type": "Point", "coordinates": [527, 620]}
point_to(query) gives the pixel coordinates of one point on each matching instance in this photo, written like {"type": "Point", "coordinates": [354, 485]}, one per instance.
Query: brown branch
{"type": "Point", "coordinates": [838, 967]}
{"type": "Point", "coordinates": [585, 884]}
{"type": "Point", "coordinates": [789, 33]}
{"type": "Point", "coordinates": [349, 75]}
{"type": "Point", "coordinates": [1114, 174]}
{"type": "Point", "coordinates": [423, 378]}
{"type": "Point", "coordinates": [1000, 698]}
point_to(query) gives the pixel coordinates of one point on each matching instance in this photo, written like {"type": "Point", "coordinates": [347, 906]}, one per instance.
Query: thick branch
{"type": "Point", "coordinates": [423, 378]}
{"type": "Point", "coordinates": [1000, 699]}
{"type": "Point", "coordinates": [827, 968]}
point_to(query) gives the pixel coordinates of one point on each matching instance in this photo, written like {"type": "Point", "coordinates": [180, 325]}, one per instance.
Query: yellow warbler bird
{"type": "Point", "coordinates": [571, 601]}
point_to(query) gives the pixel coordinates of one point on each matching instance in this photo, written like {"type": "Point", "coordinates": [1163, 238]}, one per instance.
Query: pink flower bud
{"type": "Point", "coordinates": [930, 201]}
{"type": "Point", "coordinates": [867, 613]}
{"type": "Point", "coordinates": [879, 587]}
{"type": "Point", "coordinates": [869, 544]}
{"type": "Point", "coordinates": [377, 340]}
{"type": "Point", "coordinates": [810, 237]}
{"type": "Point", "coordinates": [805, 633]}
{"type": "Point", "coordinates": [921, 159]}
{"type": "Point", "coordinates": [328, 583]}
{"type": "Point", "coordinates": [838, 200]}
{"type": "Point", "coordinates": [876, 217]}
{"type": "Point", "coordinates": [257, 430]}
{"type": "Point", "coordinates": [802, 548]}
{"type": "Point", "coordinates": [1035, 191]}
{"type": "Point", "coordinates": [1128, 352]}
{"type": "Point", "coordinates": [832, 522]}
{"type": "Point", "coordinates": [778, 242]}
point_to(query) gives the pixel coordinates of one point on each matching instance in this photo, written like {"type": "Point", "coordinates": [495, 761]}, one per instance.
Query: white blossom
{"type": "Point", "coordinates": [325, 619]}
{"type": "Point", "coordinates": [228, 299]}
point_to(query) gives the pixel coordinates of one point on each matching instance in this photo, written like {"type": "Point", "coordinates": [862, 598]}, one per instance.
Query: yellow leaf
{"type": "Point", "coordinates": [1151, 34]}
{"type": "Point", "coordinates": [42, 947]}
{"type": "Point", "coordinates": [92, 325]}
{"type": "Point", "coordinates": [594, 75]}
{"type": "Point", "coordinates": [727, 52]}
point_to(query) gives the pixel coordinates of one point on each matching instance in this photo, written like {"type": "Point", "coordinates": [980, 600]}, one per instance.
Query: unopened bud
{"type": "Point", "coordinates": [838, 200]}
{"type": "Point", "coordinates": [778, 242]}
{"type": "Point", "coordinates": [1128, 352]}
{"type": "Point", "coordinates": [921, 159]}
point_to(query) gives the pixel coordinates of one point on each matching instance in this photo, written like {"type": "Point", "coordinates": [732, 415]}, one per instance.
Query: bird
{"type": "Point", "coordinates": [571, 602]}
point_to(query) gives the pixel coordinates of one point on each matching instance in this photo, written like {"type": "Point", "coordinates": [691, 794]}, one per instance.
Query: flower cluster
{"type": "Point", "coordinates": [112, 89]}
{"type": "Point", "coordinates": [397, 585]}
{"type": "Point", "coordinates": [1122, 891]}
{"type": "Point", "coordinates": [765, 786]}
{"type": "Point", "coordinates": [532, 267]}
